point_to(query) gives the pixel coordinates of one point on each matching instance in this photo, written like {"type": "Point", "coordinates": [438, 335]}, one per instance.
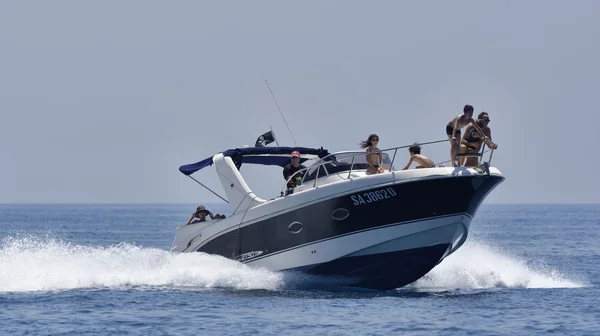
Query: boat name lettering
{"type": "Point", "coordinates": [373, 196]}
{"type": "Point", "coordinates": [249, 255]}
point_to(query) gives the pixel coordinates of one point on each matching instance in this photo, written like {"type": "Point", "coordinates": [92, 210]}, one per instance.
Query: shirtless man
{"type": "Point", "coordinates": [453, 131]}
{"type": "Point", "coordinates": [416, 156]}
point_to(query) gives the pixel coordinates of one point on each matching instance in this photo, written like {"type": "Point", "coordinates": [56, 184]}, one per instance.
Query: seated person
{"type": "Point", "coordinates": [292, 168]}
{"type": "Point", "coordinates": [422, 160]}
{"type": "Point", "coordinates": [374, 156]}
{"type": "Point", "coordinates": [201, 214]}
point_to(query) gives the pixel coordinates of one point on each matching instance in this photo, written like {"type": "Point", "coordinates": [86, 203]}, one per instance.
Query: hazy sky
{"type": "Point", "coordinates": [103, 101]}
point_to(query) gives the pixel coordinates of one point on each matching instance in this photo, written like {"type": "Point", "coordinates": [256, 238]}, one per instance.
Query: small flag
{"type": "Point", "coordinates": [265, 139]}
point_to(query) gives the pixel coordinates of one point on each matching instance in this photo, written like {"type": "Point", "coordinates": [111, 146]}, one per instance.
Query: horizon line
{"type": "Point", "coordinates": [188, 203]}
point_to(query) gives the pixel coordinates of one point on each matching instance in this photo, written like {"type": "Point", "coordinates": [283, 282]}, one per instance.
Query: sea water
{"type": "Point", "coordinates": [106, 269]}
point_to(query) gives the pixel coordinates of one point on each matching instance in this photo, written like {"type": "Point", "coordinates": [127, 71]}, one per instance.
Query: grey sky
{"type": "Point", "coordinates": [103, 101]}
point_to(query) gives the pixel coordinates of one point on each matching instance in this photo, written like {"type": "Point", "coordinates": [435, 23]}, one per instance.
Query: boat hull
{"type": "Point", "coordinates": [383, 271]}
{"type": "Point", "coordinates": [380, 237]}
{"type": "Point", "coordinates": [385, 257]}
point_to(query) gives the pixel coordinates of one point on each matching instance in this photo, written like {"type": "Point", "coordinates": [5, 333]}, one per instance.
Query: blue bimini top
{"type": "Point", "coordinates": [270, 156]}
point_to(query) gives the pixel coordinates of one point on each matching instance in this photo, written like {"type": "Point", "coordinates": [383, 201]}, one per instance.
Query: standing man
{"type": "Point", "coordinates": [291, 168]}
{"type": "Point", "coordinates": [453, 131]}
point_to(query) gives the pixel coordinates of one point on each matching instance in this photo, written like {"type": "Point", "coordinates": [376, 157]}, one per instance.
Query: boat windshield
{"type": "Point", "coordinates": [342, 162]}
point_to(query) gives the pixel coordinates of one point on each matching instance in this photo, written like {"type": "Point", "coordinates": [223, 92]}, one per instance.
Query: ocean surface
{"type": "Point", "coordinates": [107, 270]}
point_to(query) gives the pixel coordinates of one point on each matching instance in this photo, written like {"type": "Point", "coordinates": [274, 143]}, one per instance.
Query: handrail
{"type": "Point", "coordinates": [381, 150]}
{"type": "Point", "coordinates": [351, 164]}
{"type": "Point", "coordinates": [293, 176]}
{"type": "Point", "coordinates": [393, 158]}
{"type": "Point", "coordinates": [327, 159]}
{"type": "Point", "coordinates": [479, 154]}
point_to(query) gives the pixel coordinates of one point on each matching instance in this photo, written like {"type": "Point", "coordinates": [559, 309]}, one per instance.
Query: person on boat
{"type": "Point", "coordinates": [472, 140]}
{"type": "Point", "coordinates": [201, 214]}
{"type": "Point", "coordinates": [374, 156]}
{"type": "Point", "coordinates": [292, 168]}
{"type": "Point", "coordinates": [416, 156]}
{"type": "Point", "coordinates": [453, 131]}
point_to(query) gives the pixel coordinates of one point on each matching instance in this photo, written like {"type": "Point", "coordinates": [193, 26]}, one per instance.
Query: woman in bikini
{"type": "Point", "coordinates": [374, 156]}
{"type": "Point", "coordinates": [472, 141]}
{"type": "Point", "coordinates": [453, 130]}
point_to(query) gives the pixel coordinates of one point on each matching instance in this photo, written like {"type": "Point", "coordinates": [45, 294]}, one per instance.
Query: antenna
{"type": "Point", "coordinates": [286, 124]}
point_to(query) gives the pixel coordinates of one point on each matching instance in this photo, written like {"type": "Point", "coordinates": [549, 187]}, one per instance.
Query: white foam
{"type": "Point", "coordinates": [47, 264]}
{"type": "Point", "coordinates": [479, 265]}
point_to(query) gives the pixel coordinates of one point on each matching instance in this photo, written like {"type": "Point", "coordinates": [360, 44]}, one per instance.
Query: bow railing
{"type": "Point", "coordinates": [344, 163]}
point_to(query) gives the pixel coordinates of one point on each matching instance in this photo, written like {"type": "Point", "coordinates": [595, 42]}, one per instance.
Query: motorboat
{"type": "Point", "coordinates": [380, 231]}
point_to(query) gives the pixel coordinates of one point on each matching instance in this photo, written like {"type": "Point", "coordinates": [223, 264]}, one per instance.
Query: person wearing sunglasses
{"type": "Point", "coordinates": [472, 141]}
{"type": "Point", "coordinates": [291, 168]}
{"type": "Point", "coordinates": [453, 131]}
{"type": "Point", "coordinates": [374, 156]}
{"type": "Point", "coordinates": [201, 214]}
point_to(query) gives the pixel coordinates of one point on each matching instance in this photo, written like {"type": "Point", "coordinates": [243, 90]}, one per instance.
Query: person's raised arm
{"type": "Point", "coordinates": [191, 218]}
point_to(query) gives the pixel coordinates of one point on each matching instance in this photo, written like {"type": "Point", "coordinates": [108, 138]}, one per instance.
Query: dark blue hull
{"type": "Point", "coordinates": [385, 270]}
{"type": "Point", "coordinates": [349, 214]}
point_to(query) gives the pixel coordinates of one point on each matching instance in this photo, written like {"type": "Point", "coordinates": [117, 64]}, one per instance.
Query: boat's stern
{"type": "Point", "coordinates": [186, 235]}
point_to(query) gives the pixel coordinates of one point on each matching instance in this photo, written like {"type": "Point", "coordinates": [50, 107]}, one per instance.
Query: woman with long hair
{"type": "Point", "coordinates": [374, 156]}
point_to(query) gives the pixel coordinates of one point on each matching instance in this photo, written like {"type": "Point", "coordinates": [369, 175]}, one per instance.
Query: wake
{"type": "Point", "coordinates": [34, 263]}
{"type": "Point", "coordinates": [46, 264]}
{"type": "Point", "coordinates": [478, 265]}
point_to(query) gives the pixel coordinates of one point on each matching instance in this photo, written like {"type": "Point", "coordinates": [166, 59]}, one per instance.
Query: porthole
{"type": "Point", "coordinates": [340, 214]}
{"type": "Point", "coordinates": [295, 227]}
